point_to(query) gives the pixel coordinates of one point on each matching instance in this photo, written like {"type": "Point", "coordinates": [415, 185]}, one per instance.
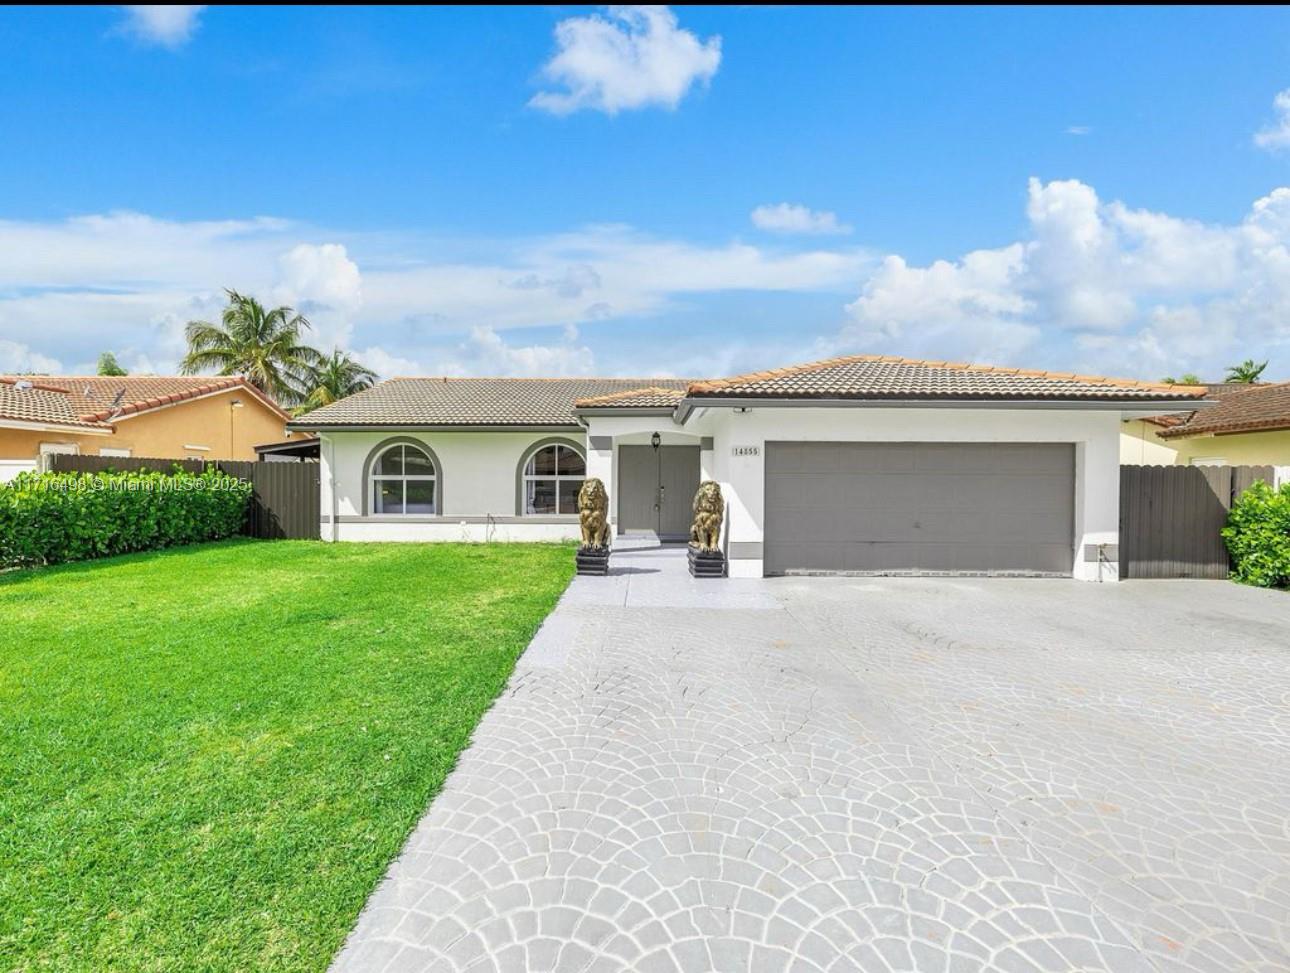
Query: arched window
{"type": "Point", "coordinates": [551, 480]}
{"type": "Point", "coordinates": [404, 480]}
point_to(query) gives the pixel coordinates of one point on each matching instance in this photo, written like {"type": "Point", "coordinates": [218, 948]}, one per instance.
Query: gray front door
{"type": "Point", "coordinates": [656, 488]}
{"type": "Point", "coordinates": [911, 508]}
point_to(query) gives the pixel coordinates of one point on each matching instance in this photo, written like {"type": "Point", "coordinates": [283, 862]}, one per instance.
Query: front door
{"type": "Point", "coordinates": [656, 488]}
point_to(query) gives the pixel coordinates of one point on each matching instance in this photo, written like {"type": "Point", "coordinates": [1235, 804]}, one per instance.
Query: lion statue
{"type": "Point", "coordinates": [593, 513]}
{"type": "Point", "coordinates": [709, 510]}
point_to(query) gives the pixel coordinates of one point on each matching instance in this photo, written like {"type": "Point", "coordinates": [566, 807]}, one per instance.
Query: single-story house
{"type": "Point", "coordinates": [1246, 425]}
{"type": "Point", "coordinates": [179, 417]}
{"type": "Point", "coordinates": [859, 464]}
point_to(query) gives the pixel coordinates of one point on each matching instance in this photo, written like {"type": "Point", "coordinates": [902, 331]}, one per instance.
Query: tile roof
{"type": "Point", "coordinates": [652, 397]}
{"type": "Point", "coordinates": [40, 403]}
{"type": "Point", "coordinates": [554, 401]}
{"type": "Point", "coordinates": [1252, 408]}
{"type": "Point", "coordinates": [473, 401]}
{"type": "Point", "coordinates": [888, 377]}
{"type": "Point", "coordinates": [94, 398]}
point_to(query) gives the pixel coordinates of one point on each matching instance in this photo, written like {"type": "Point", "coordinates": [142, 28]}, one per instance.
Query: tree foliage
{"type": "Point", "coordinates": [1258, 536]}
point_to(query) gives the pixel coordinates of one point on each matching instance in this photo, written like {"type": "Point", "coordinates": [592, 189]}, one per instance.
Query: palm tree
{"type": "Point", "coordinates": [1189, 378]}
{"type": "Point", "coordinates": [264, 345]}
{"type": "Point", "coordinates": [334, 378]}
{"type": "Point", "coordinates": [1246, 373]}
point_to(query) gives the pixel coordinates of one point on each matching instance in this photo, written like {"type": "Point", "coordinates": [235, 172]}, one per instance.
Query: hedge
{"type": "Point", "coordinates": [1258, 536]}
{"type": "Point", "coordinates": [48, 518]}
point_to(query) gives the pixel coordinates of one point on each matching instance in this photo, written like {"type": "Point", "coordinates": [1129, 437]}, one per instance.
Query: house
{"type": "Point", "coordinates": [865, 464]}
{"type": "Point", "coordinates": [1246, 425]}
{"type": "Point", "coordinates": [184, 417]}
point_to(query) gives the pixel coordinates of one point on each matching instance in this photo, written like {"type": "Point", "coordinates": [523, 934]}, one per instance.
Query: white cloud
{"type": "Point", "coordinates": [1093, 285]}
{"type": "Point", "coordinates": [129, 282]}
{"type": "Point", "coordinates": [18, 358]}
{"type": "Point", "coordinates": [1090, 285]}
{"type": "Point", "coordinates": [1276, 135]}
{"type": "Point", "coordinates": [320, 274]}
{"type": "Point", "coordinates": [1079, 130]}
{"type": "Point", "coordinates": [322, 283]}
{"type": "Point", "coordinates": [635, 57]}
{"type": "Point", "coordinates": [387, 364]}
{"type": "Point", "coordinates": [795, 218]}
{"type": "Point", "coordinates": [165, 25]}
{"type": "Point", "coordinates": [485, 352]}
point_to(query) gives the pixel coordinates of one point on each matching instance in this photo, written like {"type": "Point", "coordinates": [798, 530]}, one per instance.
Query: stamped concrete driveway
{"type": "Point", "coordinates": [848, 774]}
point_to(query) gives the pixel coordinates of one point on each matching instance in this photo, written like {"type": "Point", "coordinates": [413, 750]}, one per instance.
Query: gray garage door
{"type": "Point", "coordinates": [911, 508]}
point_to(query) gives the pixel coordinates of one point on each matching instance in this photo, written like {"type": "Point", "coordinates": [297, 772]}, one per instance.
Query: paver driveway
{"type": "Point", "coordinates": [848, 774]}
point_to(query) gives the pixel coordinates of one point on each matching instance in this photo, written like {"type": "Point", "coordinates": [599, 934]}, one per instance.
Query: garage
{"type": "Point", "coordinates": [920, 508]}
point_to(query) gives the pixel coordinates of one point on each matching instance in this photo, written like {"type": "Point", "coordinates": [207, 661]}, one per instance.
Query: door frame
{"type": "Point", "coordinates": [657, 486]}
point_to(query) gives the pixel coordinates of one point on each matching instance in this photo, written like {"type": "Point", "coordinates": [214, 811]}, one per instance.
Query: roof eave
{"type": "Point", "coordinates": [653, 410]}
{"type": "Point", "coordinates": [1131, 407]}
{"type": "Point", "coordinates": [35, 425]}
{"type": "Point", "coordinates": [1182, 432]}
{"type": "Point", "coordinates": [324, 427]}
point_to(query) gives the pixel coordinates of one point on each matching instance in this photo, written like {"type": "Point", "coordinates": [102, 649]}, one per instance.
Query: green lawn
{"type": "Point", "coordinates": [209, 755]}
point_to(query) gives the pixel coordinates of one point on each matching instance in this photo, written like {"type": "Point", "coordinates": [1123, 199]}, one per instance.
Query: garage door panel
{"type": "Point", "coordinates": [920, 507]}
{"type": "Point", "coordinates": [815, 526]}
{"type": "Point", "coordinates": [1036, 527]}
{"type": "Point", "coordinates": [887, 458]}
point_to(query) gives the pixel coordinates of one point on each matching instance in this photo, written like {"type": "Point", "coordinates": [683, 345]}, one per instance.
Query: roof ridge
{"type": "Point", "coordinates": [717, 384]}
{"type": "Point", "coordinates": [218, 383]}
{"type": "Point", "coordinates": [34, 384]}
{"type": "Point", "coordinates": [534, 378]}
{"type": "Point", "coordinates": [629, 393]}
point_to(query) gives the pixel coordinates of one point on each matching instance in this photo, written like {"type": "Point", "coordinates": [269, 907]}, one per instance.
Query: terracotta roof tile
{"type": "Point", "coordinates": [473, 401]}
{"type": "Point", "coordinates": [889, 377]}
{"type": "Point", "coordinates": [651, 397]}
{"type": "Point", "coordinates": [34, 401]}
{"type": "Point", "coordinates": [95, 397]}
{"type": "Point", "coordinates": [1253, 408]}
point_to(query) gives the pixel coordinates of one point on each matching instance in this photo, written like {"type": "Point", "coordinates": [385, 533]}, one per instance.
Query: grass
{"type": "Point", "coordinates": [209, 755]}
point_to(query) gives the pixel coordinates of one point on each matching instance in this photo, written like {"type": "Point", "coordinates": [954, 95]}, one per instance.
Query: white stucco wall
{"type": "Point", "coordinates": [1095, 435]}
{"type": "Point", "coordinates": [477, 491]}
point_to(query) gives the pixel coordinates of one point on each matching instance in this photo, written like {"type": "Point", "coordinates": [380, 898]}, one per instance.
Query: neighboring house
{"type": "Point", "coordinates": [192, 417]}
{"type": "Point", "coordinates": [865, 464]}
{"type": "Point", "coordinates": [1246, 425]}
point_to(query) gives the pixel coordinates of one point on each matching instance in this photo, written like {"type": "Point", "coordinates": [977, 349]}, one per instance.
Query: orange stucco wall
{"type": "Point", "coordinates": [231, 433]}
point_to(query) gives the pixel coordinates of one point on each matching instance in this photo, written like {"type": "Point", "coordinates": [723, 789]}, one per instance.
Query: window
{"type": "Point", "coordinates": [403, 481]}
{"type": "Point", "coordinates": [1208, 461]}
{"type": "Point", "coordinates": [114, 451]}
{"type": "Point", "coordinates": [552, 478]}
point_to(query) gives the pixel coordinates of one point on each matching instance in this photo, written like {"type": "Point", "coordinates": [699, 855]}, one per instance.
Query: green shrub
{"type": "Point", "coordinates": [47, 518]}
{"type": "Point", "coordinates": [1258, 536]}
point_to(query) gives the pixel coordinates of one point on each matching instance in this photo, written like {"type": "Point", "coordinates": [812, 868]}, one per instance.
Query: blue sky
{"type": "Point", "coordinates": [567, 190]}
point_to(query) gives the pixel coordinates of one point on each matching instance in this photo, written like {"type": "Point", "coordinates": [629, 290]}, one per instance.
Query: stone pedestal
{"type": "Point", "coordinates": [707, 564]}
{"type": "Point", "coordinates": [592, 560]}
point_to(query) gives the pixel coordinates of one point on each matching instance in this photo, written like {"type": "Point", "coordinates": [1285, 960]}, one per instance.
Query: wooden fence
{"type": "Point", "coordinates": [284, 502]}
{"type": "Point", "coordinates": [1170, 518]}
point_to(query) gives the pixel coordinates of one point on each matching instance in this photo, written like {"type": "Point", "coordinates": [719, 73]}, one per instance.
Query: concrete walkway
{"type": "Point", "coordinates": [847, 774]}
